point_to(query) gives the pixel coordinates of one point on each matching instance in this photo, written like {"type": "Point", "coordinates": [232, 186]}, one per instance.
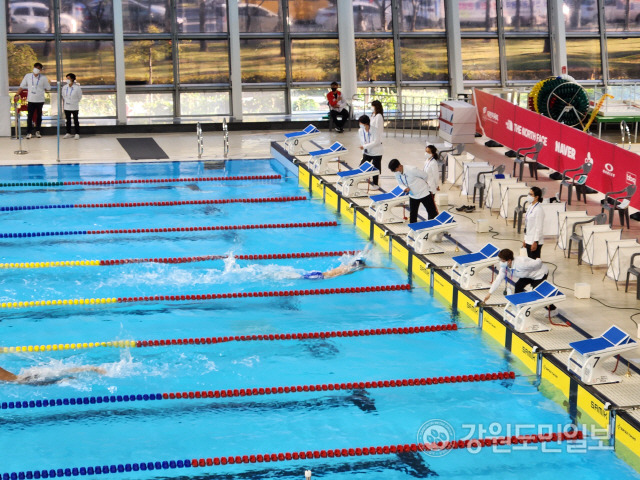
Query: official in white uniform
{"type": "Point", "coordinates": [534, 224]}
{"type": "Point", "coordinates": [414, 181]}
{"type": "Point", "coordinates": [433, 173]}
{"type": "Point", "coordinates": [527, 270]}
{"type": "Point", "coordinates": [371, 146]}
{"type": "Point", "coordinates": [71, 96]}
{"type": "Point", "coordinates": [377, 118]}
{"type": "Point", "coordinates": [36, 83]}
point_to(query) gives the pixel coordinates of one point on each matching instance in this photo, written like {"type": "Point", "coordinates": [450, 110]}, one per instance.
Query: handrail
{"type": "Point", "coordinates": [225, 137]}
{"type": "Point", "coordinates": [624, 131]}
{"type": "Point", "coordinates": [20, 151]}
{"type": "Point", "coordinates": [200, 138]}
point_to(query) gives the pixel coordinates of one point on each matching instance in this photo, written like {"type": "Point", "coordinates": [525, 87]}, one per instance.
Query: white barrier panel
{"type": "Point", "coordinates": [509, 195]}
{"type": "Point", "coordinates": [595, 243]}
{"type": "Point", "coordinates": [455, 167]}
{"type": "Point", "coordinates": [566, 220]}
{"type": "Point", "coordinates": [551, 211]}
{"type": "Point", "coordinates": [470, 175]}
{"type": "Point", "coordinates": [619, 253]}
{"type": "Point", "coordinates": [492, 185]}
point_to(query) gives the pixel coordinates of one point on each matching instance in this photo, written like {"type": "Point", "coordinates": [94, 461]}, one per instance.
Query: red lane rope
{"type": "Point", "coordinates": [204, 258]}
{"type": "Point", "coordinates": [189, 202]}
{"type": "Point", "coordinates": [299, 336]}
{"type": "Point", "coordinates": [470, 445]}
{"type": "Point", "coordinates": [213, 228]}
{"type": "Point", "coordinates": [276, 293]}
{"type": "Point", "coordinates": [406, 382]}
{"type": "Point", "coordinates": [176, 180]}
{"type": "Point", "coordinates": [249, 392]}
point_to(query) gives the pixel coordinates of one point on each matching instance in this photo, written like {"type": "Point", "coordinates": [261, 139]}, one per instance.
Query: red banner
{"type": "Point", "coordinates": [564, 147]}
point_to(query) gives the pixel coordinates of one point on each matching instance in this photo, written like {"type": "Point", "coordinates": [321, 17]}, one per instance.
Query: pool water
{"type": "Point", "coordinates": [70, 436]}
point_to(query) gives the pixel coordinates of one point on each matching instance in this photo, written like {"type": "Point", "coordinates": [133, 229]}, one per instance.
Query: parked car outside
{"type": "Point", "coordinates": [35, 17]}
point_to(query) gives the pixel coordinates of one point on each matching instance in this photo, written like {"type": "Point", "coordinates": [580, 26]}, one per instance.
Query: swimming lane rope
{"type": "Point", "coordinates": [236, 338]}
{"type": "Point", "coordinates": [200, 258]}
{"type": "Point", "coordinates": [207, 228]}
{"type": "Point", "coordinates": [470, 444]}
{"type": "Point", "coordinates": [142, 180]}
{"type": "Point", "coordinates": [200, 297]}
{"type": "Point", "coordinates": [253, 392]}
{"type": "Point", "coordinates": [154, 204]}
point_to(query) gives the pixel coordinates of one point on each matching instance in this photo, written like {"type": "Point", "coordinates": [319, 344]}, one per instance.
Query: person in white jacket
{"type": "Point", "coordinates": [414, 182]}
{"type": "Point", "coordinates": [371, 146]}
{"type": "Point", "coordinates": [534, 224]}
{"type": "Point", "coordinates": [431, 167]}
{"type": "Point", "coordinates": [527, 271]}
{"type": "Point", "coordinates": [377, 118]}
{"type": "Point", "coordinates": [36, 84]}
{"type": "Point", "coordinates": [71, 96]}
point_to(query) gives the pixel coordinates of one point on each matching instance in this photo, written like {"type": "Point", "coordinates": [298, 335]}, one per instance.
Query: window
{"type": "Point", "coordinates": [528, 59]}
{"type": "Point", "coordinates": [422, 15]}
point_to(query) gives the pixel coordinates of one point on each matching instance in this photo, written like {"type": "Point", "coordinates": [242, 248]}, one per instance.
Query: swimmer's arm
{"type": "Point", "coordinates": [99, 370]}
{"type": "Point", "coordinates": [6, 376]}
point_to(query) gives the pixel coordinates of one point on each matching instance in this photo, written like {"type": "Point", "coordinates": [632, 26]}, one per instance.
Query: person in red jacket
{"type": "Point", "coordinates": [339, 114]}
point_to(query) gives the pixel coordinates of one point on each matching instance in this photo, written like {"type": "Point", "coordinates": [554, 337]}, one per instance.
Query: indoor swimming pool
{"type": "Point", "coordinates": [161, 320]}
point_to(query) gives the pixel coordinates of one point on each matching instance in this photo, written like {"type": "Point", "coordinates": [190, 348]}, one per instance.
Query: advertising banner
{"type": "Point", "coordinates": [564, 147]}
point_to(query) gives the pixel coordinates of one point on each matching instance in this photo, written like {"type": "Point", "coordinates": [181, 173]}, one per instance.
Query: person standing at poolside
{"type": "Point", "coordinates": [534, 224]}
{"type": "Point", "coordinates": [371, 146]}
{"type": "Point", "coordinates": [36, 83]}
{"type": "Point", "coordinates": [414, 182]}
{"type": "Point", "coordinates": [71, 96]}
{"type": "Point", "coordinates": [433, 175]}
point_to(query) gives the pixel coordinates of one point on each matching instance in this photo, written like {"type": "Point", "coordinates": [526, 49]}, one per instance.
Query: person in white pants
{"type": "Point", "coordinates": [71, 96]}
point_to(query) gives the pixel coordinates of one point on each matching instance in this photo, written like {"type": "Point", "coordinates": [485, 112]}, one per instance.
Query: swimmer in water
{"type": "Point", "coordinates": [352, 267]}
{"type": "Point", "coordinates": [39, 379]}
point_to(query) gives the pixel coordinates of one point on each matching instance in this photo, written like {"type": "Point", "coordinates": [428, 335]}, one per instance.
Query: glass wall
{"type": "Point", "coordinates": [177, 60]}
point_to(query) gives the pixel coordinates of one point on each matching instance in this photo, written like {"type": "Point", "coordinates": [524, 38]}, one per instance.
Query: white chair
{"type": "Point", "coordinates": [293, 141]}
{"type": "Point", "coordinates": [520, 307]}
{"type": "Point", "coordinates": [587, 359]}
{"type": "Point", "coordinates": [467, 267]}
{"type": "Point", "coordinates": [350, 182]}
{"type": "Point", "coordinates": [422, 234]}
{"type": "Point", "coordinates": [320, 158]}
{"type": "Point", "coordinates": [381, 207]}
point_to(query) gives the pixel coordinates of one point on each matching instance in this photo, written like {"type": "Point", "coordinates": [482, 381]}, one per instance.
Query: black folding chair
{"type": "Point", "coordinates": [522, 154]}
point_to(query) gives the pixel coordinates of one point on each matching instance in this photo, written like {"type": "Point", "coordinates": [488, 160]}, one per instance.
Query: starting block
{"type": "Point", "coordinates": [467, 267]}
{"type": "Point", "coordinates": [320, 158]}
{"type": "Point", "coordinates": [381, 205]}
{"type": "Point", "coordinates": [349, 183]}
{"type": "Point", "coordinates": [293, 141]}
{"type": "Point", "coordinates": [521, 306]}
{"type": "Point", "coordinates": [420, 232]}
{"type": "Point", "coordinates": [588, 356]}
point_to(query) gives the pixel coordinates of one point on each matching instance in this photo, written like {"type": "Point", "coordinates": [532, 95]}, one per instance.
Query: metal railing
{"type": "Point", "coordinates": [225, 137]}
{"type": "Point", "coordinates": [404, 115]}
{"type": "Point", "coordinates": [20, 150]}
{"type": "Point", "coordinates": [200, 138]}
{"type": "Point", "coordinates": [626, 134]}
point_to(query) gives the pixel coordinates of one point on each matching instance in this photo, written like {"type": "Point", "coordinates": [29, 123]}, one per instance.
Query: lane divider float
{"type": "Point", "coordinates": [207, 228]}
{"type": "Point", "coordinates": [208, 296]}
{"type": "Point", "coordinates": [142, 180]}
{"type": "Point", "coordinates": [253, 392]}
{"type": "Point", "coordinates": [200, 258]}
{"type": "Point", "coordinates": [473, 443]}
{"type": "Point", "coordinates": [236, 338]}
{"type": "Point", "coordinates": [156, 204]}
